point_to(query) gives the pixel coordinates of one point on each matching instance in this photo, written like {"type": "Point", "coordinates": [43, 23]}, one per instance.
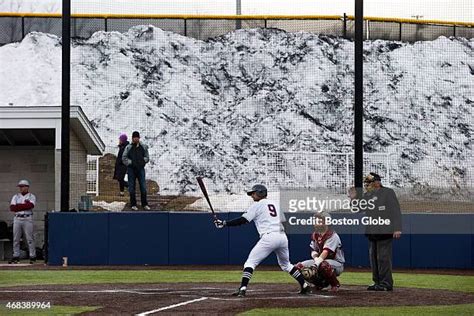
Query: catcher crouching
{"type": "Point", "coordinates": [327, 261]}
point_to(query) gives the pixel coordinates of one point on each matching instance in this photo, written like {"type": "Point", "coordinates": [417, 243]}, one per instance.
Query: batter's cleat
{"type": "Point", "coordinates": [240, 292]}
{"type": "Point", "coordinates": [305, 290]}
{"type": "Point", "coordinates": [134, 208]}
{"type": "Point", "coordinates": [146, 208]}
{"type": "Point", "coordinates": [14, 260]}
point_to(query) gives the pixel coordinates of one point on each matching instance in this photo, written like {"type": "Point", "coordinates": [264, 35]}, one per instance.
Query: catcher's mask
{"type": "Point", "coordinates": [320, 225]}
{"type": "Point", "coordinates": [369, 181]}
{"type": "Point", "coordinates": [372, 177]}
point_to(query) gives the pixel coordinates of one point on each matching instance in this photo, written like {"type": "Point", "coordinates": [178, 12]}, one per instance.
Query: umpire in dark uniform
{"type": "Point", "coordinates": [380, 237]}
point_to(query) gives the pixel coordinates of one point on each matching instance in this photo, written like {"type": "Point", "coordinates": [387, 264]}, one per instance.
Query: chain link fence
{"type": "Point", "coordinates": [225, 106]}
{"type": "Point", "coordinates": [15, 26]}
{"type": "Point", "coordinates": [316, 170]}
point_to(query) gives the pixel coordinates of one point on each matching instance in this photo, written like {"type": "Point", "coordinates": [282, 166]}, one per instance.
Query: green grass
{"type": "Point", "coordinates": [463, 283]}
{"type": "Point", "coordinates": [42, 277]}
{"type": "Point", "coordinates": [428, 281]}
{"type": "Point", "coordinates": [445, 310]}
{"type": "Point", "coordinates": [54, 310]}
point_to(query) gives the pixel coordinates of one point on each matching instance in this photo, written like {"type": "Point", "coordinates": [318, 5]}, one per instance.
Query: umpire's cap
{"type": "Point", "coordinates": [372, 177]}
{"type": "Point", "coordinates": [23, 183]}
{"type": "Point", "coordinates": [260, 189]}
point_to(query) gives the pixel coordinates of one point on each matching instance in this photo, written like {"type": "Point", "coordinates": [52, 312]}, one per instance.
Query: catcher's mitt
{"type": "Point", "coordinates": [309, 273]}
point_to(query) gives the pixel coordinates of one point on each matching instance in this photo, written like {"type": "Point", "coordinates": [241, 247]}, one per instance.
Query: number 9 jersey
{"type": "Point", "coordinates": [266, 216]}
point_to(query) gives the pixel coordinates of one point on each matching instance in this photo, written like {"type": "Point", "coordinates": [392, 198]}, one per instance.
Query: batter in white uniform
{"type": "Point", "coordinates": [266, 216]}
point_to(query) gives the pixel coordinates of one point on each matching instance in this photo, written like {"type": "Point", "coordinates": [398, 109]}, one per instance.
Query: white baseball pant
{"type": "Point", "coordinates": [276, 242]}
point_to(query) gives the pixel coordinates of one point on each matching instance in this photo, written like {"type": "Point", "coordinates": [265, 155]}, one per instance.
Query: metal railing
{"type": "Point", "coordinates": [16, 25]}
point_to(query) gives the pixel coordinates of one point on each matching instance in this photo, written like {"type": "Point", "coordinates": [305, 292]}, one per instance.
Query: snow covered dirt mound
{"type": "Point", "coordinates": [214, 108]}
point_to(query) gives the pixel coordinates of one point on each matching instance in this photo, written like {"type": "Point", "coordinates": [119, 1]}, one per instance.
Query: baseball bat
{"type": "Point", "coordinates": [204, 192]}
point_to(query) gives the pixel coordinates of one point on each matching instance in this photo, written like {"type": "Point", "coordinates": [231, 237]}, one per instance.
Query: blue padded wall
{"type": "Point", "coordinates": [139, 238]}
{"type": "Point", "coordinates": [299, 247]}
{"type": "Point", "coordinates": [359, 246]}
{"type": "Point", "coordinates": [194, 239]}
{"type": "Point", "coordinates": [472, 242]}
{"type": "Point", "coordinates": [82, 237]}
{"type": "Point", "coordinates": [346, 241]}
{"type": "Point", "coordinates": [401, 247]}
{"type": "Point", "coordinates": [441, 251]}
{"type": "Point", "coordinates": [160, 238]}
{"type": "Point", "coordinates": [241, 241]}
{"type": "Point", "coordinates": [430, 249]}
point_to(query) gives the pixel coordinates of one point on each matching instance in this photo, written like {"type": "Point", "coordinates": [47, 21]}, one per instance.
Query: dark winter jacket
{"type": "Point", "coordinates": [386, 207]}
{"type": "Point", "coordinates": [120, 169]}
{"type": "Point", "coordinates": [136, 156]}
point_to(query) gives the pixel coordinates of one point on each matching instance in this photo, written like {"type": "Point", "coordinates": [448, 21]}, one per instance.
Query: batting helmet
{"type": "Point", "coordinates": [260, 189]}
{"type": "Point", "coordinates": [23, 183]}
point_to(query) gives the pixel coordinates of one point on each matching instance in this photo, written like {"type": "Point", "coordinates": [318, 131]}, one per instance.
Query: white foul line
{"type": "Point", "coordinates": [172, 306]}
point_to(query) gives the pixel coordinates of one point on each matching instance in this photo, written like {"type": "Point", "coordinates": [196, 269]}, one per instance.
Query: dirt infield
{"type": "Point", "coordinates": [215, 298]}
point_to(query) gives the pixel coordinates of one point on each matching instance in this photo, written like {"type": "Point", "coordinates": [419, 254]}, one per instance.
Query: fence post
{"type": "Point", "coordinates": [344, 26]}
{"type": "Point", "coordinates": [22, 27]}
{"type": "Point", "coordinates": [185, 27]}
{"type": "Point", "coordinates": [368, 29]}
{"type": "Point", "coordinates": [348, 184]}
{"type": "Point", "coordinates": [359, 95]}
{"type": "Point", "coordinates": [265, 23]}
{"type": "Point", "coordinates": [387, 157]}
{"type": "Point", "coordinates": [454, 30]}
{"type": "Point", "coordinates": [306, 171]}
{"type": "Point", "coordinates": [267, 181]}
{"type": "Point", "coordinates": [400, 31]}
{"type": "Point", "coordinates": [106, 25]}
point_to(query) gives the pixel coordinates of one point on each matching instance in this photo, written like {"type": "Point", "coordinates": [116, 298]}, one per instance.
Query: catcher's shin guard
{"type": "Point", "coordinates": [309, 273]}
{"type": "Point", "coordinates": [326, 271]}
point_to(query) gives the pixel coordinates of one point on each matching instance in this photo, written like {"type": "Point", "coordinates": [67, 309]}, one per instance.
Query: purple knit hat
{"type": "Point", "coordinates": [123, 137]}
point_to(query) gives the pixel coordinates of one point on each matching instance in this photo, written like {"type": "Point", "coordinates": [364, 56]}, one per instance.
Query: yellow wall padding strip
{"type": "Point", "coordinates": [230, 17]}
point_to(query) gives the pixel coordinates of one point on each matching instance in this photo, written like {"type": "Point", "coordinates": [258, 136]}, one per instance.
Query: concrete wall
{"type": "Point", "coordinates": [78, 172]}
{"type": "Point", "coordinates": [36, 165]}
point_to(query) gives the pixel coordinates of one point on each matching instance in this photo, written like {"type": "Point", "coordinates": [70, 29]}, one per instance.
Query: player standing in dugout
{"type": "Point", "coordinates": [266, 215]}
{"type": "Point", "coordinates": [22, 205]}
